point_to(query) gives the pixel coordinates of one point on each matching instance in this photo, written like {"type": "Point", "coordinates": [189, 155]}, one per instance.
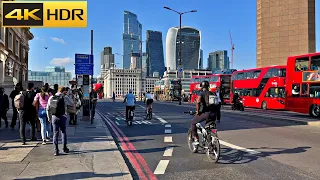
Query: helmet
{"type": "Point", "coordinates": [130, 90]}
{"type": "Point", "coordinates": [205, 84]}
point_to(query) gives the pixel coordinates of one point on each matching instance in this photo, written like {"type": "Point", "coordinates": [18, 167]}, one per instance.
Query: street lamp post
{"type": "Point", "coordinates": [180, 46]}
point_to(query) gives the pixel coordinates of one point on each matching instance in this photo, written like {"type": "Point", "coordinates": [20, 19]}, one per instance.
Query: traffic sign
{"type": "Point", "coordinates": [180, 72]}
{"type": "Point", "coordinates": [83, 59]}
{"type": "Point", "coordinates": [84, 69]}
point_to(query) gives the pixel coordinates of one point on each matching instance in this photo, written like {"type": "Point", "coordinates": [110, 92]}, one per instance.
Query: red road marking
{"type": "Point", "coordinates": [126, 150]}
{"type": "Point", "coordinates": [137, 155]}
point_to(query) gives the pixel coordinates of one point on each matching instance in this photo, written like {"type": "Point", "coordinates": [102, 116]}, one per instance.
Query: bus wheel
{"type": "Point", "coordinates": [264, 105]}
{"type": "Point", "coordinates": [315, 111]}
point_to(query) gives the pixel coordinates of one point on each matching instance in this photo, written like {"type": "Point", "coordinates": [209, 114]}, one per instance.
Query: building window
{"type": "Point", "coordinates": [23, 53]}
{"type": "Point", "coordinates": [17, 47]}
{"type": "Point", "coordinates": [2, 34]}
{"type": "Point", "coordinates": [10, 41]}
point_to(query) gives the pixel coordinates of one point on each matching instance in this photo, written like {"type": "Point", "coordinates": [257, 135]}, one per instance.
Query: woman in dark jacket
{"type": "Point", "coordinates": [4, 106]}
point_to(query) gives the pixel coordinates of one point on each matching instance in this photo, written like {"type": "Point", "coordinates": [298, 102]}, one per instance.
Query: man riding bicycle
{"type": "Point", "coordinates": [149, 100]}
{"type": "Point", "coordinates": [131, 100]}
{"type": "Point", "coordinates": [206, 107]}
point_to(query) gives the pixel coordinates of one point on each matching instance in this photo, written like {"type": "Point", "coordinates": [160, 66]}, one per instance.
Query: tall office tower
{"type": "Point", "coordinates": [201, 60]}
{"type": "Point", "coordinates": [284, 28]}
{"type": "Point", "coordinates": [107, 60]}
{"type": "Point", "coordinates": [132, 36]}
{"type": "Point", "coordinates": [190, 48]}
{"type": "Point", "coordinates": [218, 60]}
{"type": "Point", "coordinates": [154, 50]}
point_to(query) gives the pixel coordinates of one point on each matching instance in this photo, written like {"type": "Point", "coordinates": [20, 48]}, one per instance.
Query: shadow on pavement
{"type": "Point", "coordinates": [78, 175]}
{"type": "Point", "coordinates": [231, 156]}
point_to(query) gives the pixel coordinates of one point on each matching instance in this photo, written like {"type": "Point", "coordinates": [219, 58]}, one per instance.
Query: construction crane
{"type": "Point", "coordinates": [232, 49]}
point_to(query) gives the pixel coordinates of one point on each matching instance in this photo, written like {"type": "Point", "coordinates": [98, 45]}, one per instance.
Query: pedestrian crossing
{"type": "Point", "coordinates": [119, 117]}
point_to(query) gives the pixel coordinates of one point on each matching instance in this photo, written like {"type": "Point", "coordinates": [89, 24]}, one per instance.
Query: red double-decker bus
{"type": "Point", "coordinates": [261, 87]}
{"type": "Point", "coordinates": [303, 84]}
{"type": "Point", "coordinates": [216, 80]}
{"type": "Point", "coordinates": [98, 87]}
{"type": "Point", "coordinates": [195, 86]}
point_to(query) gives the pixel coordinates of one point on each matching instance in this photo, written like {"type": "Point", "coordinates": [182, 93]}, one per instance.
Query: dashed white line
{"type": "Point", "coordinates": [168, 151]}
{"type": "Point", "coordinates": [238, 147]}
{"type": "Point", "coordinates": [161, 120]}
{"type": "Point", "coordinates": [168, 139]}
{"type": "Point", "coordinates": [162, 166]}
{"type": "Point", "coordinates": [117, 123]}
{"type": "Point", "coordinates": [167, 131]}
{"type": "Point", "coordinates": [168, 126]}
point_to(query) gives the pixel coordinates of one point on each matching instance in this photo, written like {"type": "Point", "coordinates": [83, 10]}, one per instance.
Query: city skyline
{"type": "Point", "coordinates": [108, 31]}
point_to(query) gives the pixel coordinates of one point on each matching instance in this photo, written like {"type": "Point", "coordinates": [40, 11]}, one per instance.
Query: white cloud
{"type": "Point", "coordinates": [59, 40]}
{"type": "Point", "coordinates": [38, 38]}
{"type": "Point", "coordinates": [61, 61]}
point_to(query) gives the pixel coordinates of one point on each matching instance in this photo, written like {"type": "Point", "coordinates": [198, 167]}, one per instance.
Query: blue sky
{"type": "Point", "coordinates": [214, 19]}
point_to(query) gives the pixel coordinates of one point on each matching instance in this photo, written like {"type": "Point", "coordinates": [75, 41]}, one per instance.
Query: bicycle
{"type": "Point", "coordinates": [208, 140]}
{"type": "Point", "coordinates": [131, 115]}
{"type": "Point", "coordinates": [149, 114]}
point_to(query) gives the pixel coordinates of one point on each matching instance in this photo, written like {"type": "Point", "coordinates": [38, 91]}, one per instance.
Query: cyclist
{"type": "Point", "coordinates": [130, 98]}
{"type": "Point", "coordinates": [149, 100]}
{"type": "Point", "coordinates": [206, 106]}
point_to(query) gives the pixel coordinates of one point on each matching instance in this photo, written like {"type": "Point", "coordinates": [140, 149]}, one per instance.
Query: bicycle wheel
{"type": "Point", "coordinates": [213, 151]}
{"type": "Point", "coordinates": [193, 148]}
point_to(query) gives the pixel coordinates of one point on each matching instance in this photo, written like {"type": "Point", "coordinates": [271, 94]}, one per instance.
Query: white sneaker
{"type": "Point", "coordinates": [44, 142]}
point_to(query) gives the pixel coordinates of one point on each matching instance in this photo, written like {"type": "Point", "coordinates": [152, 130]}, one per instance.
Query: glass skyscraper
{"type": "Point", "coordinates": [132, 35]}
{"type": "Point", "coordinates": [154, 50]}
{"type": "Point", "coordinates": [190, 38]}
{"type": "Point", "coordinates": [51, 75]}
{"type": "Point", "coordinates": [218, 60]}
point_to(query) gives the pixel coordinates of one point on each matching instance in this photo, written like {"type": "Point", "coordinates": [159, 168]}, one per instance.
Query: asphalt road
{"type": "Point", "coordinates": [282, 150]}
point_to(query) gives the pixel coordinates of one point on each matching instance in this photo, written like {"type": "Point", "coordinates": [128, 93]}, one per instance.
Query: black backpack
{"type": "Point", "coordinates": [57, 106]}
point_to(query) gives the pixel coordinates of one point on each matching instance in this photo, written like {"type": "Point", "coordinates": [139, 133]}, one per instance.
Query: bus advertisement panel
{"type": "Point", "coordinates": [261, 87]}
{"type": "Point", "coordinates": [303, 84]}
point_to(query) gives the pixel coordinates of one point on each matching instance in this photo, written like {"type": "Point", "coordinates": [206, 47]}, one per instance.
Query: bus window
{"type": "Point", "coordinates": [275, 92]}
{"type": "Point", "coordinates": [256, 74]}
{"type": "Point", "coordinates": [214, 79]}
{"type": "Point", "coordinates": [283, 72]}
{"type": "Point", "coordinates": [239, 76]}
{"type": "Point", "coordinates": [304, 90]}
{"type": "Point", "coordinates": [249, 75]}
{"type": "Point", "coordinates": [314, 90]}
{"type": "Point", "coordinates": [295, 90]}
{"type": "Point", "coordinates": [302, 64]}
{"type": "Point", "coordinates": [315, 63]}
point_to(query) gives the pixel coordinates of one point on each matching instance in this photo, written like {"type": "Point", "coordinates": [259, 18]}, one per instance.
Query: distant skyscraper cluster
{"type": "Point", "coordinates": [190, 42]}
{"type": "Point", "coordinates": [218, 60]}
{"type": "Point", "coordinates": [154, 50]}
{"type": "Point", "coordinates": [107, 60]}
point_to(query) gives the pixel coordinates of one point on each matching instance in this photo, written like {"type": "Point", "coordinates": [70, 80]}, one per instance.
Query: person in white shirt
{"type": "Point", "coordinates": [220, 96]}
{"type": "Point", "coordinates": [149, 99]}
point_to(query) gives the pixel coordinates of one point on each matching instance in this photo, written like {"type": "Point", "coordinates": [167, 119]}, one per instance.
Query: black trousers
{"type": "Point", "coordinates": [4, 117]}
{"type": "Point", "coordinates": [24, 118]}
{"type": "Point", "coordinates": [93, 109]}
{"type": "Point", "coordinates": [127, 110]}
{"type": "Point", "coordinates": [218, 112]}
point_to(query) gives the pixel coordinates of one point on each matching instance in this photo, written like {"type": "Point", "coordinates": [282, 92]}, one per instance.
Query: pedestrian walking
{"type": "Point", "coordinates": [71, 109]}
{"type": "Point", "coordinates": [13, 94]}
{"type": "Point", "coordinates": [94, 99]}
{"type": "Point", "coordinates": [40, 101]}
{"type": "Point", "coordinates": [27, 112]}
{"type": "Point", "coordinates": [4, 106]}
{"type": "Point", "coordinates": [220, 99]}
{"type": "Point", "coordinates": [57, 107]}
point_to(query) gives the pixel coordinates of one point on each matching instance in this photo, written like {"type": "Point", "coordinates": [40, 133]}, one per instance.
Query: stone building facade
{"type": "Point", "coordinates": [14, 50]}
{"type": "Point", "coordinates": [284, 28]}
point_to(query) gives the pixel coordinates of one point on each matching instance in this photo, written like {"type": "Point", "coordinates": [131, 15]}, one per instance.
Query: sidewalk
{"type": "Point", "coordinates": [93, 155]}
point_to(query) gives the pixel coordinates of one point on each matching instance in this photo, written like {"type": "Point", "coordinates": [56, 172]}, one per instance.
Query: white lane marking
{"type": "Point", "coordinates": [168, 139]}
{"type": "Point", "coordinates": [161, 120]}
{"type": "Point", "coordinates": [168, 126]}
{"type": "Point", "coordinates": [239, 148]}
{"type": "Point", "coordinates": [168, 151]}
{"type": "Point", "coordinates": [167, 131]}
{"type": "Point", "coordinates": [117, 123]}
{"type": "Point", "coordinates": [147, 122]}
{"type": "Point", "coordinates": [162, 166]}
{"type": "Point", "coordinates": [118, 119]}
